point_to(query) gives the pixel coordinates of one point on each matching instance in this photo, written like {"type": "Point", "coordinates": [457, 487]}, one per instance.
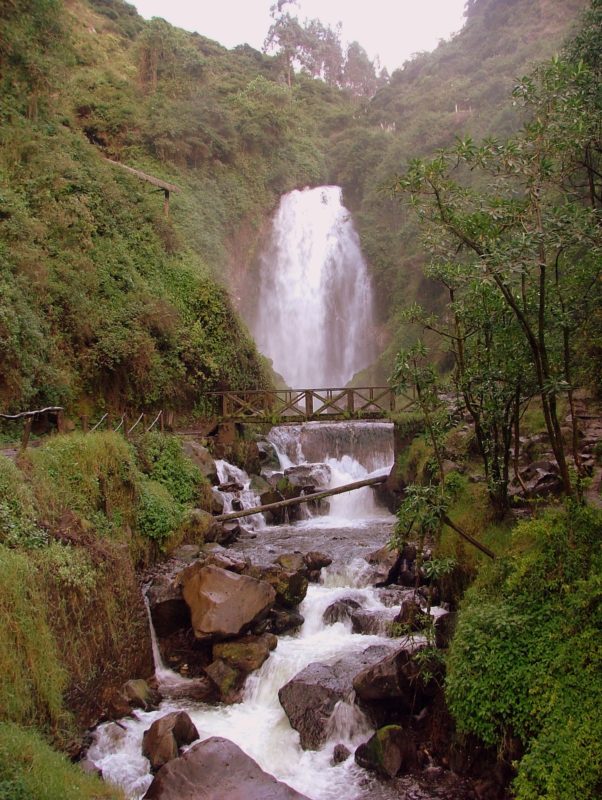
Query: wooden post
{"type": "Point", "coordinates": [309, 403]}
{"type": "Point", "coordinates": [350, 401]}
{"type": "Point", "coordinates": [166, 202]}
{"type": "Point", "coordinates": [126, 426]}
{"type": "Point", "coordinates": [60, 422]}
{"type": "Point", "coordinates": [161, 423]}
{"type": "Point", "coordinates": [26, 432]}
{"type": "Point", "coordinates": [85, 423]}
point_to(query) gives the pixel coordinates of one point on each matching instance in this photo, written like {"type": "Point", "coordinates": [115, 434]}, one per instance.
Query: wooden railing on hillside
{"type": "Point", "coordinates": [303, 405]}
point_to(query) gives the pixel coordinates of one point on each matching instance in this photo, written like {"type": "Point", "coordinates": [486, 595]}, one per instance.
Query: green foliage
{"type": "Point", "coordinates": [17, 520]}
{"type": "Point", "coordinates": [31, 770]}
{"type": "Point", "coordinates": [88, 474]}
{"type": "Point", "coordinates": [158, 514]}
{"type": "Point", "coordinates": [161, 457]}
{"type": "Point", "coordinates": [526, 659]}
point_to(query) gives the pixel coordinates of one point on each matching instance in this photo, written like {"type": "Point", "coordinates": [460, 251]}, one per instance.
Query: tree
{"type": "Point", "coordinates": [527, 235]}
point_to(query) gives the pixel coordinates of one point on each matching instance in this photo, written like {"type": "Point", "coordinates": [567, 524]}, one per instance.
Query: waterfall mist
{"type": "Point", "coordinates": [314, 315]}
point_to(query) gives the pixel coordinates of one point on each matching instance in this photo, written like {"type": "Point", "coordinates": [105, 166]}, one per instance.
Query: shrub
{"type": "Point", "coordinates": [161, 457]}
{"type": "Point", "coordinates": [159, 515]}
{"type": "Point", "coordinates": [526, 660]}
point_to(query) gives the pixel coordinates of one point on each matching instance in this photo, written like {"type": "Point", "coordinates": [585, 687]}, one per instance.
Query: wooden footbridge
{"type": "Point", "coordinates": [276, 406]}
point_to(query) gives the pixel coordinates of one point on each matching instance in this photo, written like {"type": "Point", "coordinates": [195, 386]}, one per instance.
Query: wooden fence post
{"type": "Point", "coordinates": [26, 432]}
{"type": "Point", "coordinates": [309, 403]}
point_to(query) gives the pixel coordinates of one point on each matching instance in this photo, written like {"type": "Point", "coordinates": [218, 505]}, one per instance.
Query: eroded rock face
{"type": "Point", "coordinates": [217, 769]}
{"type": "Point", "coordinates": [310, 697]}
{"type": "Point", "coordinates": [223, 603]}
{"type": "Point", "coordinates": [162, 741]}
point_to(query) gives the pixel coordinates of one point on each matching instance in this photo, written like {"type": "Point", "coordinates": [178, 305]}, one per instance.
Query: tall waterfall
{"type": "Point", "coordinates": [314, 317]}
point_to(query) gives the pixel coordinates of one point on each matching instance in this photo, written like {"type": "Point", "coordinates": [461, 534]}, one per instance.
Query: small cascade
{"type": "Point", "coordinates": [240, 498]}
{"type": "Point", "coordinates": [314, 310]}
{"type": "Point", "coordinates": [165, 677]}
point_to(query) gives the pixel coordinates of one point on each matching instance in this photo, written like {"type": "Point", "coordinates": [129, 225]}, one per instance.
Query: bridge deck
{"type": "Point", "coordinates": [303, 405]}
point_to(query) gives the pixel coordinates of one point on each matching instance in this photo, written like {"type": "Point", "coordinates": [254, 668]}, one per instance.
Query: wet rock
{"type": "Point", "coordinates": [290, 587]}
{"type": "Point", "coordinates": [340, 754]}
{"type": "Point", "coordinates": [282, 620]}
{"type": "Point", "coordinates": [224, 559]}
{"type": "Point", "coordinates": [202, 459]}
{"type": "Point", "coordinates": [227, 679]}
{"type": "Point", "coordinates": [168, 609]}
{"type": "Point", "coordinates": [371, 622]}
{"type": "Point", "coordinates": [411, 616]}
{"type": "Point", "coordinates": [199, 690]}
{"type": "Point", "coordinates": [140, 695]}
{"type": "Point", "coordinates": [541, 478]}
{"type": "Point", "coordinates": [316, 476]}
{"type": "Point", "coordinates": [231, 531]}
{"type": "Point", "coordinates": [391, 596]}
{"type": "Point", "coordinates": [216, 503]}
{"type": "Point", "coordinates": [340, 610]}
{"type": "Point", "coordinates": [186, 553]}
{"type": "Point", "coordinates": [445, 626]}
{"type": "Point", "coordinates": [259, 485]}
{"type": "Point", "coordinates": [385, 563]}
{"type": "Point", "coordinates": [246, 654]}
{"type": "Point", "coordinates": [292, 562]}
{"type": "Point", "coordinates": [217, 769]}
{"type": "Point", "coordinates": [199, 526]}
{"type": "Point", "coordinates": [390, 752]}
{"type": "Point", "coordinates": [223, 603]}
{"type": "Point", "coordinates": [162, 741]}
{"type": "Point", "coordinates": [314, 560]}
{"type": "Point", "coordinates": [397, 677]}
{"type": "Point", "coordinates": [232, 486]}
{"type": "Point", "coordinates": [268, 455]}
{"type": "Point", "coordinates": [310, 697]}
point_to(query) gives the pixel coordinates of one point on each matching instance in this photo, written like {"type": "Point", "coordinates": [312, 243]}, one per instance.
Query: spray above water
{"type": "Point", "coordinates": [314, 315]}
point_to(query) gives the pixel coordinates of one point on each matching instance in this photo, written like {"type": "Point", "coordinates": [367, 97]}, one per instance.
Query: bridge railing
{"type": "Point", "coordinates": [292, 405]}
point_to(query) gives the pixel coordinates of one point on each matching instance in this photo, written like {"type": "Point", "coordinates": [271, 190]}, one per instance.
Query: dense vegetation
{"type": "Point", "coordinates": [76, 513]}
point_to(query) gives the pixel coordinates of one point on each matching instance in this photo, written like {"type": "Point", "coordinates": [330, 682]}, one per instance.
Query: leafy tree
{"type": "Point", "coordinates": [527, 236]}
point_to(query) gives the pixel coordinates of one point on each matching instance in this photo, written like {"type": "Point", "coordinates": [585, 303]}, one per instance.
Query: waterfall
{"type": "Point", "coordinates": [314, 315]}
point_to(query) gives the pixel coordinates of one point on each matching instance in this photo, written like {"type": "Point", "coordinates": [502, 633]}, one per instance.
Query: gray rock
{"type": "Point", "coordinates": [340, 610]}
{"type": "Point", "coordinates": [217, 769]}
{"type": "Point", "coordinates": [310, 697]}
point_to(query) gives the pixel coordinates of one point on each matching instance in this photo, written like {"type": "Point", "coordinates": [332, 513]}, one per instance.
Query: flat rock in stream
{"type": "Point", "coordinates": [217, 769]}
{"type": "Point", "coordinates": [310, 697]}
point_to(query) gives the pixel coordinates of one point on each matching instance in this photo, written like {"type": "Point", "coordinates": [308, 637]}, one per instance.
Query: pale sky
{"type": "Point", "coordinates": [391, 29]}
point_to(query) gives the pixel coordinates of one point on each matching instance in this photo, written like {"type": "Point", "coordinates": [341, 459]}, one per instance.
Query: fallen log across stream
{"type": "Point", "coordinates": [304, 498]}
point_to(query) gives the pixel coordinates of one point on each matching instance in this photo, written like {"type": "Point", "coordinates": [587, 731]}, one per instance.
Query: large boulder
{"type": "Point", "coordinates": [400, 677]}
{"type": "Point", "coordinates": [217, 769]}
{"type": "Point", "coordinates": [222, 603]}
{"type": "Point", "coordinates": [310, 697]}
{"type": "Point", "coordinates": [389, 752]}
{"type": "Point", "coordinates": [411, 616]}
{"type": "Point", "coordinates": [162, 741]}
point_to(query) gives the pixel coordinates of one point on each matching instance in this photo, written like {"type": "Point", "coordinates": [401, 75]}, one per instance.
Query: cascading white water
{"type": "Point", "coordinates": [314, 315]}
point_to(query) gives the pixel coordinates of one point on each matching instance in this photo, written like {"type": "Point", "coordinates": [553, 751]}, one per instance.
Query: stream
{"type": "Point", "coordinates": [354, 526]}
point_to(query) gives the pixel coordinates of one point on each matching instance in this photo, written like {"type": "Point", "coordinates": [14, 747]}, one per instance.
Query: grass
{"type": "Point", "coordinates": [31, 770]}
